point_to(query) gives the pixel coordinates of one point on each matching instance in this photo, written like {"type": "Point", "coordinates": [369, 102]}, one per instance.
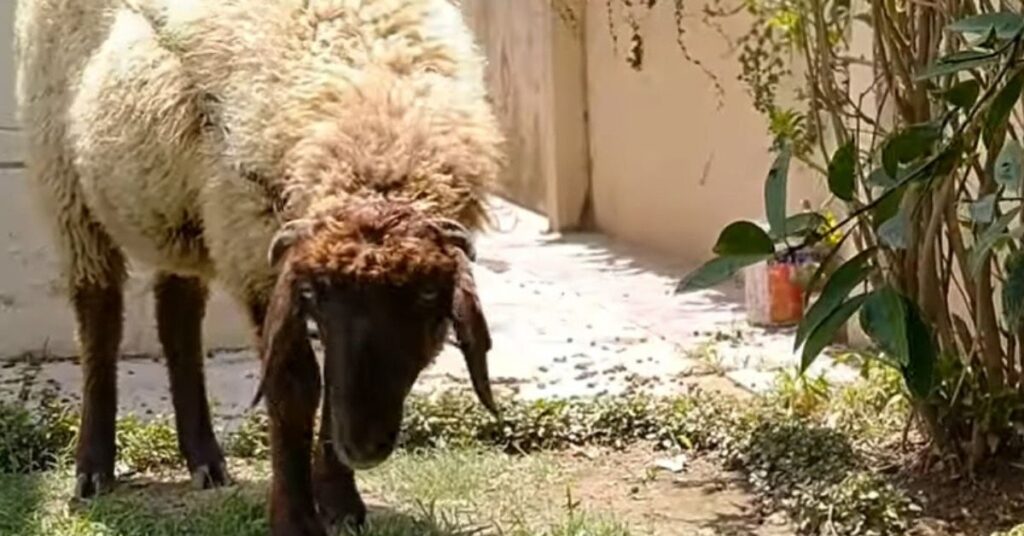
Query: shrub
{"type": "Point", "coordinates": [34, 440]}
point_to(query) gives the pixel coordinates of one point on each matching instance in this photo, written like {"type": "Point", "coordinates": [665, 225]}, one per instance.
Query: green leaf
{"type": "Point", "coordinates": [775, 191]}
{"type": "Point", "coordinates": [716, 271]}
{"type": "Point", "coordinates": [744, 238]}
{"type": "Point", "coordinates": [824, 265]}
{"type": "Point", "coordinates": [956, 62]}
{"type": "Point", "coordinates": [825, 332]}
{"type": "Point", "coordinates": [801, 224]}
{"type": "Point", "coordinates": [908, 145]}
{"type": "Point", "coordinates": [888, 206]}
{"type": "Point", "coordinates": [988, 240]}
{"type": "Point", "coordinates": [884, 319]}
{"type": "Point", "coordinates": [984, 209]}
{"type": "Point", "coordinates": [1006, 25]}
{"type": "Point", "coordinates": [896, 325]}
{"type": "Point", "coordinates": [963, 94]}
{"type": "Point", "coordinates": [920, 369]}
{"type": "Point", "coordinates": [945, 162]}
{"type": "Point", "coordinates": [987, 41]}
{"type": "Point", "coordinates": [1002, 104]}
{"type": "Point", "coordinates": [1013, 291]}
{"type": "Point", "coordinates": [1009, 165]}
{"type": "Point", "coordinates": [841, 172]}
{"type": "Point", "coordinates": [836, 289]}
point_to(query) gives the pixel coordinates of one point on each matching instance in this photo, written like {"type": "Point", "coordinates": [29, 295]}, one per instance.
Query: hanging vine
{"type": "Point", "coordinates": [632, 14]}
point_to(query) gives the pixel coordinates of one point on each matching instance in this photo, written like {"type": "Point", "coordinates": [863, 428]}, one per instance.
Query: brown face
{"type": "Point", "coordinates": [383, 290]}
{"type": "Point", "coordinates": [377, 339]}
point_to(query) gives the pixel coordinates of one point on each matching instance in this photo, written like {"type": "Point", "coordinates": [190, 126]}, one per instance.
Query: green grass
{"type": "Point", "coordinates": [458, 468]}
{"type": "Point", "coordinates": [436, 493]}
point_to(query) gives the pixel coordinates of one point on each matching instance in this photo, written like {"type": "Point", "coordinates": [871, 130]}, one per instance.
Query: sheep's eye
{"type": "Point", "coordinates": [429, 295]}
{"type": "Point", "coordinates": [307, 294]}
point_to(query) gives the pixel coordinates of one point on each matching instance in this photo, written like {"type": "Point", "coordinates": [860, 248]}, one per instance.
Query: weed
{"type": "Point", "coordinates": [34, 440]}
{"type": "Point", "coordinates": [800, 461]}
{"type": "Point", "coordinates": [146, 446]}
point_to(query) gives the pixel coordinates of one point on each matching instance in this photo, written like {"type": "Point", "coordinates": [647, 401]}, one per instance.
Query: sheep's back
{"type": "Point", "coordinates": [281, 74]}
{"type": "Point", "coordinates": [112, 127]}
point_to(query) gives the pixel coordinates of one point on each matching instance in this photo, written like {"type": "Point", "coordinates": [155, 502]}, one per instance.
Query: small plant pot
{"type": "Point", "coordinates": [774, 296]}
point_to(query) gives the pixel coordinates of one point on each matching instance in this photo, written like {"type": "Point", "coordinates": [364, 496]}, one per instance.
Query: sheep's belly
{"type": "Point", "coordinates": [153, 221]}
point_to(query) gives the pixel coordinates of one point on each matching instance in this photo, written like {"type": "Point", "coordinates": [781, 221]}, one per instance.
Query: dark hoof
{"type": "Point", "coordinates": [342, 512]}
{"type": "Point", "coordinates": [91, 485]}
{"type": "Point", "coordinates": [206, 464]}
{"type": "Point", "coordinates": [211, 476]}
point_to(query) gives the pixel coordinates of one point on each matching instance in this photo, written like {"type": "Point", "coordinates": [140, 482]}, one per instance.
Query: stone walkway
{"type": "Point", "coordinates": [569, 315]}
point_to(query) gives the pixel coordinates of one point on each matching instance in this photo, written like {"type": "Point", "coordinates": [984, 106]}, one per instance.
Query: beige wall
{"type": "Point", "coordinates": [670, 168]}
{"type": "Point", "coordinates": [34, 315]}
{"type": "Point", "coordinates": [660, 163]}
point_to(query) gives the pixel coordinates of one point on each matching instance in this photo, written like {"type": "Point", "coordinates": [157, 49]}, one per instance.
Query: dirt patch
{"type": "Point", "coordinates": [659, 494]}
{"type": "Point", "coordinates": [959, 506]}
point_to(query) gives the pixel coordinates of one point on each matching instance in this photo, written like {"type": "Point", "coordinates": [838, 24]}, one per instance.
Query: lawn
{"type": "Point", "coordinates": [807, 459]}
{"type": "Point", "coordinates": [437, 492]}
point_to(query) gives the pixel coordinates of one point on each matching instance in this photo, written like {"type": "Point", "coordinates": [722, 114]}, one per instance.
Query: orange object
{"type": "Point", "coordinates": [785, 297]}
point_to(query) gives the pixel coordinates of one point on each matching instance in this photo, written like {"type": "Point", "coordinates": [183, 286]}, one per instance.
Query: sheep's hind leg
{"type": "Point", "coordinates": [180, 306]}
{"type": "Point", "coordinates": [334, 483]}
{"type": "Point", "coordinates": [98, 304]}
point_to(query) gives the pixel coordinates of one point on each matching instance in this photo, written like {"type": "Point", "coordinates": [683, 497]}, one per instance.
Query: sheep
{"type": "Point", "coordinates": [322, 160]}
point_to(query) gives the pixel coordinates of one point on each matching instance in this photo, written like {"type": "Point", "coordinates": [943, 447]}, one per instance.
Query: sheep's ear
{"type": "Point", "coordinates": [456, 234]}
{"type": "Point", "coordinates": [473, 335]}
{"type": "Point", "coordinates": [283, 329]}
{"type": "Point", "coordinates": [287, 236]}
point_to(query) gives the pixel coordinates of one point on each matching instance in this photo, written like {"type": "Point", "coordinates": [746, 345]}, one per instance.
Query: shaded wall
{"type": "Point", "coordinates": [536, 79]}
{"type": "Point", "coordinates": [517, 64]}
{"type": "Point", "coordinates": [9, 147]}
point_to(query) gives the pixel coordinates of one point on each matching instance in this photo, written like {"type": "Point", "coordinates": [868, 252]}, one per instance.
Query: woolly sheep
{"type": "Point", "coordinates": [347, 142]}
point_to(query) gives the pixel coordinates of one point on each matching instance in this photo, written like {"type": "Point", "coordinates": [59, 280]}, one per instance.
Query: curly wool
{"type": "Point", "coordinates": [185, 132]}
{"type": "Point", "coordinates": [374, 242]}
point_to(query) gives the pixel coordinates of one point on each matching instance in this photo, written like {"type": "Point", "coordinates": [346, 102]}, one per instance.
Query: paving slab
{"type": "Point", "coordinates": [575, 315]}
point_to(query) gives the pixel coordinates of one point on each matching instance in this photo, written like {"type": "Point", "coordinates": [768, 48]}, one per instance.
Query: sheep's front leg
{"type": "Point", "coordinates": [292, 392]}
{"type": "Point", "coordinates": [335, 484]}
{"type": "Point", "coordinates": [180, 306]}
{"type": "Point", "coordinates": [98, 314]}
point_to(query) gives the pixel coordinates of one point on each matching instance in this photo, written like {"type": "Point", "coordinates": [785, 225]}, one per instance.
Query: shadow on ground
{"type": "Point", "coordinates": [38, 505]}
{"type": "Point", "coordinates": [21, 501]}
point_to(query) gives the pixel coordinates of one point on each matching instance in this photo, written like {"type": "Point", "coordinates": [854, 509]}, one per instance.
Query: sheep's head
{"type": "Point", "coordinates": [383, 283]}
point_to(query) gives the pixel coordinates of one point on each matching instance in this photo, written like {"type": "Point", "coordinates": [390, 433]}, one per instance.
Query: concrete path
{"type": "Point", "coordinates": [569, 315]}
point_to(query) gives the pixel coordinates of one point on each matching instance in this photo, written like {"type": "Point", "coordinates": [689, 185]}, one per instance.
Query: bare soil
{"type": "Point", "coordinates": [686, 496]}
{"type": "Point", "coordinates": [957, 505]}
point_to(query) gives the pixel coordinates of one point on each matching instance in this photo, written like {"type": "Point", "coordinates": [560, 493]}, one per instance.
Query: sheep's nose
{"type": "Point", "coordinates": [382, 447]}
{"type": "Point", "coordinates": [372, 453]}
